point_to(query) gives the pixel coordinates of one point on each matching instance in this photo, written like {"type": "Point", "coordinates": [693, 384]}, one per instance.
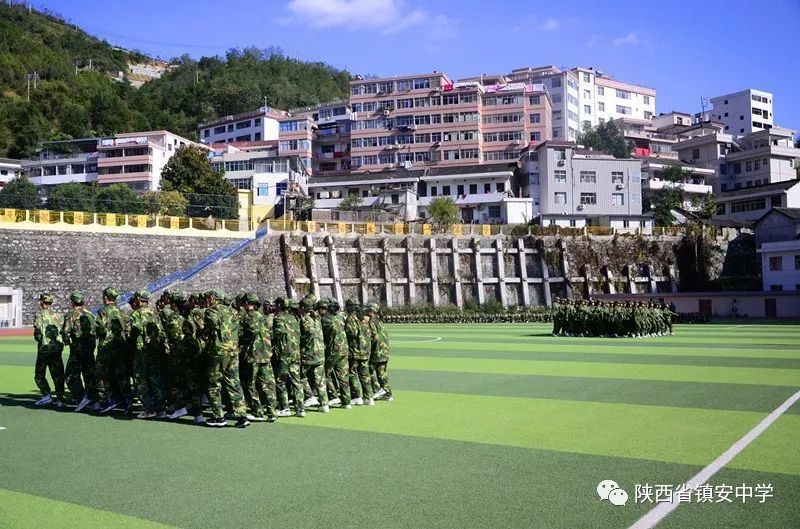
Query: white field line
{"type": "Point", "coordinates": [429, 339]}
{"type": "Point", "coordinates": [662, 510]}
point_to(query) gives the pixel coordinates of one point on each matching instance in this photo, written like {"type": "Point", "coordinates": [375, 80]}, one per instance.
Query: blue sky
{"type": "Point", "coordinates": [684, 49]}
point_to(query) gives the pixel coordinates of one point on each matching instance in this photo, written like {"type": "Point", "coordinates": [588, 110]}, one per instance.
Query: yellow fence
{"type": "Point", "coordinates": [170, 224]}
{"type": "Point", "coordinates": [100, 221]}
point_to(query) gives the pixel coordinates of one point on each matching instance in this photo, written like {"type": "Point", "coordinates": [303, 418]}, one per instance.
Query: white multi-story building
{"type": "Point", "coordinates": [9, 169]}
{"type": "Point", "coordinates": [61, 162]}
{"type": "Point", "coordinates": [744, 112]}
{"type": "Point", "coordinates": [582, 96]}
{"type": "Point", "coordinates": [261, 125]}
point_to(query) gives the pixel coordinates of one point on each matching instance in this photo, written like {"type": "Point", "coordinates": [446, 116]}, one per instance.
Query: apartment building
{"type": "Point", "coordinates": [580, 187]}
{"type": "Point", "coordinates": [260, 125]}
{"type": "Point", "coordinates": [262, 176]}
{"type": "Point", "coordinates": [61, 162]}
{"type": "Point", "coordinates": [778, 240]}
{"type": "Point", "coordinates": [137, 158]}
{"type": "Point", "coordinates": [582, 96]}
{"type": "Point", "coordinates": [9, 169]}
{"type": "Point", "coordinates": [429, 120]}
{"type": "Point", "coordinates": [744, 112]}
{"type": "Point", "coordinates": [330, 139]}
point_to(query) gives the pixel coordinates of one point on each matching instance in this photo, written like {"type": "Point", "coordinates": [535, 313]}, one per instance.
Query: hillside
{"type": "Point", "coordinates": [66, 104]}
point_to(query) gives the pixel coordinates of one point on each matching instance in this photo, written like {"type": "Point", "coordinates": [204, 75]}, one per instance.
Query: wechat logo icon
{"type": "Point", "coordinates": [611, 491]}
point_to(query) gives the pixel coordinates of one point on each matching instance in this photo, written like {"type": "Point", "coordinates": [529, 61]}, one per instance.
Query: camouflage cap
{"type": "Point", "coordinates": [292, 304]}
{"type": "Point", "coordinates": [307, 303]}
{"type": "Point", "coordinates": [324, 303]}
{"type": "Point", "coordinates": [142, 295]}
{"type": "Point", "coordinates": [77, 296]}
{"type": "Point", "coordinates": [219, 294]}
{"type": "Point", "coordinates": [250, 297]}
{"type": "Point", "coordinates": [373, 307]}
{"type": "Point", "coordinates": [177, 297]}
{"type": "Point", "coordinates": [111, 293]}
{"type": "Point", "coordinates": [350, 304]}
{"type": "Point", "coordinates": [280, 302]}
{"type": "Point", "coordinates": [46, 298]}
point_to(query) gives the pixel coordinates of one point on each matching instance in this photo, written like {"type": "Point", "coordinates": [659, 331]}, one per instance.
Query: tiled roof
{"type": "Point", "coordinates": [766, 188]}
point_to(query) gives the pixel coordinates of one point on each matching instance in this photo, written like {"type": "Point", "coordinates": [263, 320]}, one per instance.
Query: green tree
{"type": "Point", "coordinates": [663, 201]}
{"type": "Point", "coordinates": [606, 137]}
{"type": "Point", "coordinates": [674, 173]}
{"type": "Point", "coordinates": [72, 196]}
{"type": "Point", "coordinates": [119, 198]}
{"type": "Point", "coordinates": [166, 203]}
{"type": "Point", "coordinates": [444, 213]}
{"type": "Point", "coordinates": [351, 202]}
{"type": "Point", "coordinates": [209, 193]}
{"type": "Point", "coordinates": [19, 193]}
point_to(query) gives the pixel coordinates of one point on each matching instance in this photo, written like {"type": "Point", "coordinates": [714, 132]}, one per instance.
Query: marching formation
{"type": "Point", "coordinates": [615, 319]}
{"type": "Point", "coordinates": [242, 359]}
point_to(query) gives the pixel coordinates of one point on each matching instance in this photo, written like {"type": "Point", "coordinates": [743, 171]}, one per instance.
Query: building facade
{"type": "Point", "coordinates": [137, 158]}
{"type": "Point", "coordinates": [744, 112]}
{"type": "Point", "coordinates": [61, 162]}
{"type": "Point", "coordinates": [260, 125]}
{"type": "Point", "coordinates": [9, 170]}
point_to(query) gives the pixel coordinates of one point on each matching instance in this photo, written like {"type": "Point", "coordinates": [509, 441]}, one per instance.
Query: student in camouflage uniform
{"type": "Point", "coordinates": [379, 357]}
{"type": "Point", "coordinates": [359, 345]}
{"type": "Point", "coordinates": [193, 379]}
{"type": "Point", "coordinates": [255, 361]}
{"type": "Point", "coordinates": [49, 346]}
{"type": "Point", "coordinates": [312, 350]}
{"type": "Point", "coordinates": [146, 338]}
{"type": "Point", "coordinates": [79, 334]}
{"type": "Point", "coordinates": [178, 358]}
{"type": "Point", "coordinates": [222, 333]}
{"type": "Point", "coordinates": [286, 346]}
{"type": "Point", "coordinates": [336, 352]}
{"type": "Point", "coordinates": [111, 345]}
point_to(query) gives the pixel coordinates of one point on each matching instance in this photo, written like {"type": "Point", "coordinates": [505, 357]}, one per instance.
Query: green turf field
{"type": "Point", "coordinates": [498, 426]}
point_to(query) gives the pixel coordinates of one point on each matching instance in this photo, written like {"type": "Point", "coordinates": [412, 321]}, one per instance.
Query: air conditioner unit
{"type": "Point", "coordinates": [620, 186]}
{"type": "Point", "coordinates": [393, 146]}
{"type": "Point", "coordinates": [517, 142]}
{"type": "Point", "coordinates": [412, 126]}
{"type": "Point", "coordinates": [561, 162]}
{"type": "Point", "coordinates": [579, 207]}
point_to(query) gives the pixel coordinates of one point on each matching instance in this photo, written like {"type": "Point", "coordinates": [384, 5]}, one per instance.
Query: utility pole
{"type": "Point", "coordinates": [32, 77]}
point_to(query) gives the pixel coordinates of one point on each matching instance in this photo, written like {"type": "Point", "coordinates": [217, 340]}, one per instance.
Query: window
{"type": "Point", "coordinates": [460, 189]}
{"type": "Point", "coordinates": [758, 125]}
{"type": "Point", "coordinates": [243, 125]}
{"type": "Point", "coordinates": [601, 107]}
{"type": "Point", "coordinates": [473, 189]}
{"type": "Point", "coordinates": [470, 154]}
{"type": "Point", "coordinates": [636, 198]}
{"type": "Point", "coordinates": [623, 110]}
{"type": "Point", "coordinates": [646, 100]}
{"type": "Point", "coordinates": [589, 198]}
{"type": "Point", "coordinates": [754, 204]}
{"type": "Point", "coordinates": [422, 84]}
{"type": "Point", "coordinates": [617, 177]}
{"type": "Point", "coordinates": [600, 90]}
{"type": "Point", "coordinates": [262, 190]}
{"type": "Point", "coordinates": [206, 133]}
{"type": "Point", "coordinates": [501, 187]}
{"type": "Point", "coordinates": [748, 166]}
{"type": "Point", "coordinates": [556, 115]}
{"type": "Point", "coordinates": [536, 136]}
{"type": "Point", "coordinates": [515, 117]}
{"type": "Point", "coordinates": [386, 159]}
{"type": "Point", "coordinates": [560, 176]}
{"type": "Point", "coordinates": [586, 77]}
{"type": "Point", "coordinates": [617, 199]}
{"type": "Point", "coordinates": [219, 130]}
{"type": "Point", "coordinates": [560, 198]}
{"type": "Point", "coordinates": [405, 103]}
{"type": "Point", "coordinates": [588, 177]}
{"type": "Point", "coordinates": [555, 82]}
{"type": "Point", "coordinates": [536, 118]}
{"type": "Point", "coordinates": [587, 109]}
{"type": "Point", "coordinates": [445, 190]}
{"type": "Point", "coordinates": [556, 98]}
{"type": "Point", "coordinates": [776, 288]}
{"type": "Point", "coordinates": [534, 100]}
{"type": "Point", "coordinates": [487, 188]}
{"type": "Point", "coordinates": [695, 154]}
{"type": "Point", "coordinates": [257, 136]}
{"type": "Point", "coordinates": [534, 178]}
{"type": "Point", "coordinates": [623, 94]}
{"type": "Point", "coordinates": [552, 222]}
{"type": "Point", "coordinates": [230, 127]}
{"type": "Point", "coordinates": [434, 191]}
{"type": "Point", "coordinates": [280, 188]}
{"type": "Point", "coordinates": [797, 262]}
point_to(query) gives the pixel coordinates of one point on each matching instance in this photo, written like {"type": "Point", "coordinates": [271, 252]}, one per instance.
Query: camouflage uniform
{"type": "Point", "coordinates": [312, 350]}
{"type": "Point", "coordinates": [286, 345]}
{"type": "Point", "coordinates": [78, 333]}
{"type": "Point", "coordinates": [379, 357]}
{"type": "Point", "coordinates": [179, 358]}
{"type": "Point", "coordinates": [111, 349]}
{"type": "Point", "coordinates": [49, 345]}
{"type": "Point", "coordinates": [336, 352]}
{"type": "Point", "coordinates": [193, 370]}
{"type": "Point", "coordinates": [359, 346]}
{"type": "Point", "coordinates": [222, 333]}
{"type": "Point", "coordinates": [146, 337]}
{"type": "Point", "coordinates": [255, 342]}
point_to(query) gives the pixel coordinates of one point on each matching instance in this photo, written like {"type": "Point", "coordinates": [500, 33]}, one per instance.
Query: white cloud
{"type": "Point", "coordinates": [386, 16]}
{"type": "Point", "coordinates": [551, 24]}
{"type": "Point", "coordinates": [631, 38]}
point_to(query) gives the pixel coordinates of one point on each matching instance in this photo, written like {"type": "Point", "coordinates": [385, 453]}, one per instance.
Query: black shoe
{"type": "Point", "coordinates": [242, 422]}
{"type": "Point", "coordinates": [217, 421]}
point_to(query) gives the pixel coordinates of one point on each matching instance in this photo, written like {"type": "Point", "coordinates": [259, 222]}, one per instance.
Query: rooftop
{"type": "Point", "coordinates": [765, 188]}
{"type": "Point", "coordinates": [792, 213]}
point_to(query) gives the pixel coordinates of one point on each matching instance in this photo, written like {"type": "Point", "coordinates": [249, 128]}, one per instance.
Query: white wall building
{"type": "Point", "coordinates": [780, 265]}
{"type": "Point", "coordinates": [61, 162]}
{"type": "Point", "coordinates": [261, 125]}
{"type": "Point", "coordinates": [9, 169]}
{"type": "Point", "coordinates": [744, 112]}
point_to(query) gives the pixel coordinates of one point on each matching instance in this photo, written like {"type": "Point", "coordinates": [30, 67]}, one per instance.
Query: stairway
{"type": "Point", "coordinates": [185, 274]}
